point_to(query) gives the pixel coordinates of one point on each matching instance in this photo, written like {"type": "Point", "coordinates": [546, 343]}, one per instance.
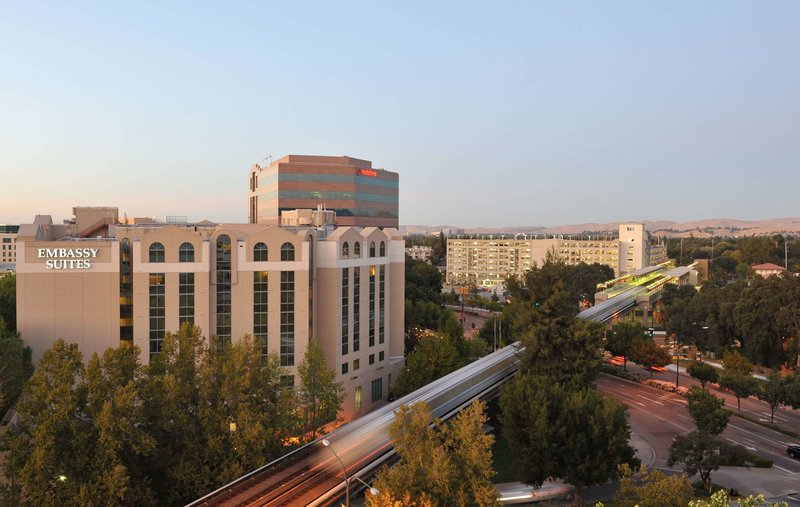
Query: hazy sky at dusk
{"type": "Point", "coordinates": [493, 113]}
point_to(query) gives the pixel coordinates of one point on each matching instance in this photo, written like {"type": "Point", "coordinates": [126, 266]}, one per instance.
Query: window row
{"type": "Point", "coordinates": [186, 251]}
{"type": "Point", "coordinates": [357, 249]}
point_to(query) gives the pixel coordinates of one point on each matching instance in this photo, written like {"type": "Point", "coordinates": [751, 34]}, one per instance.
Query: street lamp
{"type": "Point", "coordinates": [327, 443]}
{"type": "Point", "coordinates": [372, 490]}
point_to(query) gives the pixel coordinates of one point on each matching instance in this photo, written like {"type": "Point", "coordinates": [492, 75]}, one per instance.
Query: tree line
{"type": "Point", "coordinates": [114, 432]}
{"type": "Point", "coordinates": [759, 316]}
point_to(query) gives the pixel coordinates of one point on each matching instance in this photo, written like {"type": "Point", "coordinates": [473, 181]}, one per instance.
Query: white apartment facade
{"type": "Point", "coordinates": [489, 261]}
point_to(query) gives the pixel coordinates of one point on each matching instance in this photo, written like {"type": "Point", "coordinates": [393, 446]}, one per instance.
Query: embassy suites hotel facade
{"type": "Point", "coordinates": [98, 281]}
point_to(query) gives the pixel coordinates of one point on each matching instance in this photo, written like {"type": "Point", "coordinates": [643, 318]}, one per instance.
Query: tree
{"type": "Point", "coordinates": [649, 355]}
{"type": "Point", "coordinates": [582, 279]}
{"type": "Point", "coordinates": [721, 499]}
{"type": "Point", "coordinates": [319, 392]}
{"type": "Point", "coordinates": [792, 386]}
{"type": "Point", "coordinates": [737, 377]}
{"type": "Point", "coordinates": [699, 452]}
{"type": "Point", "coordinates": [16, 367]}
{"type": "Point", "coordinates": [707, 411]}
{"type": "Point", "coordinates": [703, 372]}
{"type": "Point", "coordinates": [439, 464]}
{"type": "Point", "coordinates": [622, 338]}
{"type": "Point", "coordinates": [80, 441]}
{"type": "Point", "coordinates": [742, 386]}
{"type": "Point", "coordinates": [576, 434]}
{"type": "Point", "coordinates": [653, 488]}
{"type": "Point", "coordinates": [8, 301]}
{"type": "Point", "coordinates": [734, 362]}
{"type": "Point", "coordinates": [557, 343]}
{"type": "Point", "coordinates": [434, 357]}
{"type": "Point", "coordinates": [775, 393]}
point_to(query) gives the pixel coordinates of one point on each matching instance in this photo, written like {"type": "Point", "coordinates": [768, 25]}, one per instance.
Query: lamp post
{"type": "Point", "coordinates": [372, 490]}
{"type": "Point", "coordinates": [327, 443]}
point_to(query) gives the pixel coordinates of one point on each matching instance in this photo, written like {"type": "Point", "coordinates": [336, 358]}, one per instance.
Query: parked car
{"type": "Point", "coordinates": [793, 451]}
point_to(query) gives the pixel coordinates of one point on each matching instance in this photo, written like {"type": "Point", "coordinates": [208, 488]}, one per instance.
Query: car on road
{"type": "Point", "coordinates": [793, 451]}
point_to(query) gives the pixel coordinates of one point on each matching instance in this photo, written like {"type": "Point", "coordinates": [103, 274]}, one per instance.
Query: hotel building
{"type": "Point", "coordinates": [98, 282]}
{"type": "Point", "coordinates": [490, 261]}
{"type": "Point", "coordinates": [359, 194]}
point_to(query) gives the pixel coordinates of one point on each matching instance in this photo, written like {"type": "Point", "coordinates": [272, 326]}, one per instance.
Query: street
{"type": "Point", "coordinates": [656, 417]}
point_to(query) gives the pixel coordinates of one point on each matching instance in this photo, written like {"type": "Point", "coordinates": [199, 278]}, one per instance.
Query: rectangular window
{"type": "Point", "coordinates": [372, 306]}
{"type": "Point", "coordinates": [260, 309]}
{"type": "Point", "coordinates": [356, 364]}
{"type": "Point", "coordinates": [372, 359]}
{"type": "Point", "coordinates": [381, 304]}
{"type": "Point", "coordinates": [287, 318]}
{"type": "Point", "coordinates": [356, 309]}
{"type": "Point", "coordinates": [380, 356]}
{"type": "Point", "coordinates": [186, 298]}
{"type": "Point", "coordinates": [344, 368]}
{"type": "Point", "coordinates": [377, 390]}
{"type": "Point", "coordinates": [345, 310]}
{"type": "Point", "coordinates": [287, 381]}
{"type": "Point", "coordinates": [358, 398]}
{"type": "Point", "coordinates": [157, 309]}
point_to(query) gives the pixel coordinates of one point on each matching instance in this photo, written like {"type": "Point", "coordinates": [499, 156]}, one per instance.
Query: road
{"type": "Point", "coordinates": [785, 417]}
{"type": "Point", "coordinates": [657, 417]}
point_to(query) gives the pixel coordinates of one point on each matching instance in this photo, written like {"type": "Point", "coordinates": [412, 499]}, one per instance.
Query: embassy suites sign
{"type": "Point", "coordinates": [68, 258]}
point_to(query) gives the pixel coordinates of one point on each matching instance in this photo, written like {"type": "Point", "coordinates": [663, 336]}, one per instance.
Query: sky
{"type": "Point", "coordinates": [493, 113]}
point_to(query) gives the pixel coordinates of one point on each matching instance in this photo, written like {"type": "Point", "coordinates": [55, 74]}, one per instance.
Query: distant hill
{"type": "Point", "coordinates": [697, 228]}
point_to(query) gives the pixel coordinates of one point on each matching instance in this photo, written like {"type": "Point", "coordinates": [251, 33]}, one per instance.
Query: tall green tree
{"type": "Point", "coordinates": [737, 377]}
{"type": "Point", "coordinates": [439, 464]}
{"type": "Point", "coordinates": [622, 338]}
{"type": "Point", "coordinates": [16, 367]}
{"type": "Point", "coordinates": [707, 410]}
{"type": "Point", "coordinates": [774, 392]}
{"type": "Point", "coordinates": [576, 434]}
{"type": "Point", "coordinates": [699, 453]}
{"type": "Point", "coordinates": [436, 355]}
{"type": "Point", "coordinates": [703, 372]}
{"type": "Point", "coordinates": [320, 394]}
{"type": "Point", "coordinates": [8, 301]}
{"type": "Point", "coordinates": [742, 386]}
{"type": "Point", "coordinates": [171, 401]}
{"type": "Point", "coordinates": [582, 279]}
{"type": "Point", "coordinates": [80, 440]}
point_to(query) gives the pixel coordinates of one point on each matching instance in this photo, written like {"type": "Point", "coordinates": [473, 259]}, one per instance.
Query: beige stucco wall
{"type": "Point", "coordinates": [77, 305]}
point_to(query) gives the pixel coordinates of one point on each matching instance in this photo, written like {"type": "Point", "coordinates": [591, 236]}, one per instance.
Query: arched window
{"type": "Point", "coordinates": [260, 252]}
{"type": "Point", "coordinates": [383, 249]}
{"type": "Point", "coordinates": [156, 252]}
{"type": "Point", "coordinates": [357, 249]}
{"type": "Point", "coordinates": [345, 250]}
{"type": "Point", "coordinates": [372, 249]}
{"type": "Point", "coordinates": [186, 253]}
{"type": "Point", "coordinates": [287, 252]}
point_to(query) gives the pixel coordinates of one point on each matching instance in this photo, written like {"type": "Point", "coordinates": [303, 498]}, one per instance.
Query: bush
{"type": "Point", "coordinates": [735, 455]}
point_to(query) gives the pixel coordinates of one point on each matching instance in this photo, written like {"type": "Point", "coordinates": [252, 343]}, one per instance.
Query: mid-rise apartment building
{"type": "Point", "coordinates": [489, 261]}
{"type": "Point", "coordinates": [420, 253]}
{"type": "Point", "coordinates": [98, 282]}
